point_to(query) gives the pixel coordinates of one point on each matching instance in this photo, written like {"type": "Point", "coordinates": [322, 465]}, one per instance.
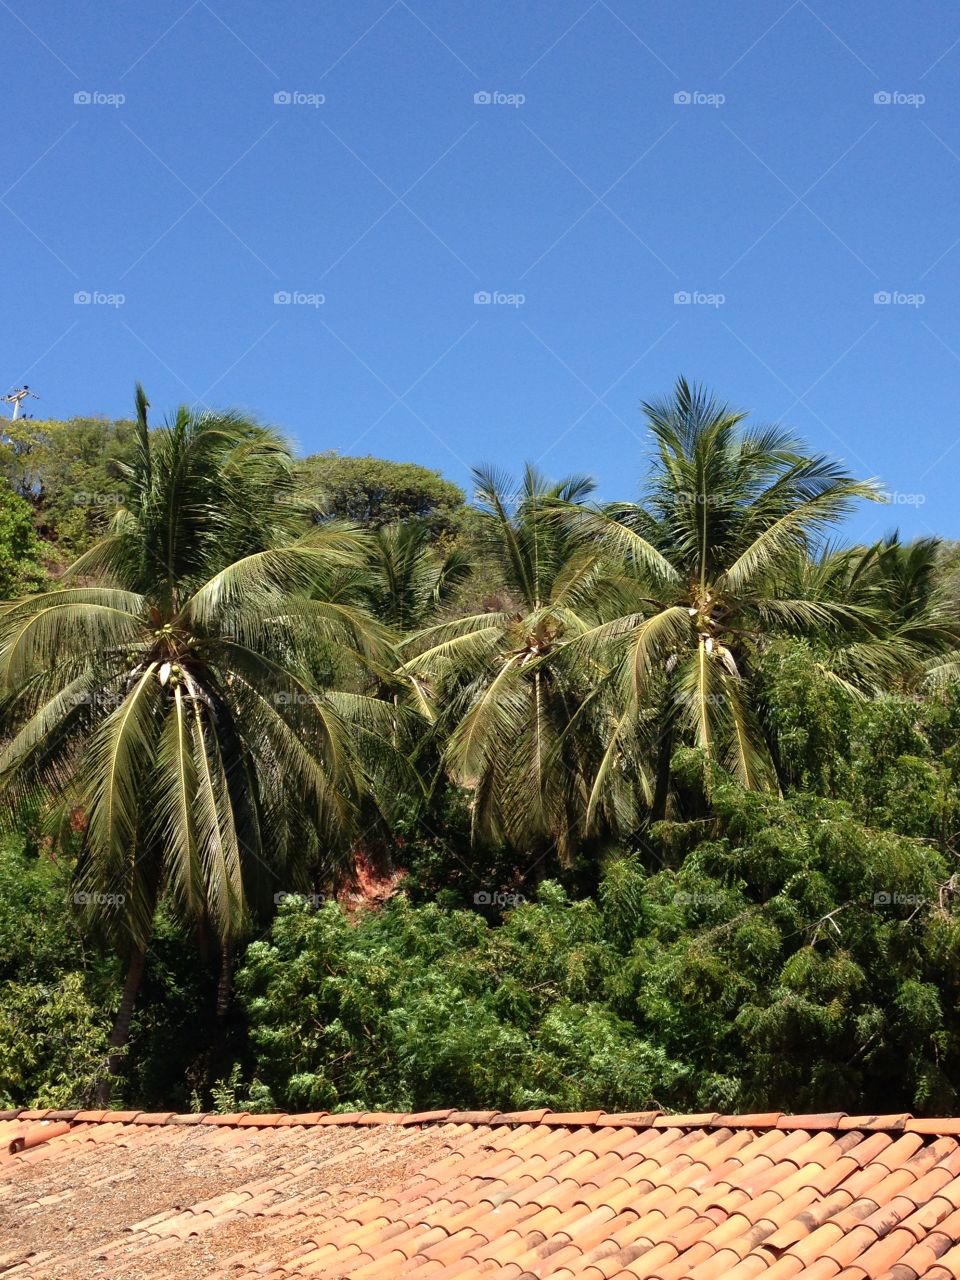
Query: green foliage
{"type": "Point", "coordinates": [21, 567]}
{"type": "Point", "coordinates": [56, 993]}
{"type": "Point", "coordinates": [797, 960]}
{"type": "Point", "coordinates": [800, 937]}
{"type": "Point", "coordinates": [53, 1044]}
{"type": "Point", "coordinates": [71, 475]}
{"type": "Point", "coordinates": [173, 1039]}
{"type": "Point", "coordinates": [173, 702]}
{"type": "Point", "coordinates": [504, 705]}
{"type": "Point", "coordinates": [728, 512]}
{"type": "Point", "coordinates": [410, 577]}
{"type": "Point", "coordinates": [906, 764]}
{"type": "Point", "coordinates": [807, 716]}
{"type": "Point", "coordinates": [421, 1007]}
{"type": "Point", "coordinates": [734, 747]}
{"type": "Point", "coordinates": [376, 491]}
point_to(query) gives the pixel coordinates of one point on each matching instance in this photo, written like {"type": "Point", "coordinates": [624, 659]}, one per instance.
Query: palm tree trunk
{"type": "Point", "coordinates": [225, 984]}
{"type": "Point", "coordinates": [773, 746]}
{"type": "Point", "coordinates": [662, 789]}
{"type": "Point", "coordinates": [214, 1056]}
{"type": "Point", "coordinates": [121, 1026]}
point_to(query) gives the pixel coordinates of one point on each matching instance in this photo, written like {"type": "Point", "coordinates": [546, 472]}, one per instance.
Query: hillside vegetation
{"type": "Point", "coordinates": [328, 787]}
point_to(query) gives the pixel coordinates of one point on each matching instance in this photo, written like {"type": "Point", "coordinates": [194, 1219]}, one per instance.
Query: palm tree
{"type": "Point", "coordinates": [911, 629]}
{"type": "Point", "coordinates": [727, 513]}
{"type": "Point", "coordinates": [171, 698]}
{"type": "Point", "coordinates": [489, 681]}
{"type": "Point", "coordinates": [410, 577]}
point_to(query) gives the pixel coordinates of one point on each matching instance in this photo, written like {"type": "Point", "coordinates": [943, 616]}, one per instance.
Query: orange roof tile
{"type": "Point", "coordinates": [450, 1195]}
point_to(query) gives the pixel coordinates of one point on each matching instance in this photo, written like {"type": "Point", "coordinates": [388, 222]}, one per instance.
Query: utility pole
{"type": "Point", "coordinates": [16, 398]}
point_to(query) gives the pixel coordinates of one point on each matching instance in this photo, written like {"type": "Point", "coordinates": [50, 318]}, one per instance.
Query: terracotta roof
{"type": "Point", "coordinates": [448, 1195]}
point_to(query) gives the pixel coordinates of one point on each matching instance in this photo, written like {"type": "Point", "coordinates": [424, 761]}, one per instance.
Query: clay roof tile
{"type": "Point", "coordinates": [820, 1120]}
{"type": "Point", "coordinates": [448, 1195]}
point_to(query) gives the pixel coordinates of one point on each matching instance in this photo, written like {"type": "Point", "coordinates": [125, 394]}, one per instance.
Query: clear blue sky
{"type": "Point", "coordinates": [797, 197]}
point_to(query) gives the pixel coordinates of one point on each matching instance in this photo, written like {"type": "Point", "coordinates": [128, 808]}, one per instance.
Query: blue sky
{"type": "Point", "coordinates": [620, 154]}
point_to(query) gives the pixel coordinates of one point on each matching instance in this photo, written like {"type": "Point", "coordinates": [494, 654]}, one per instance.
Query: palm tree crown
{"type": "Point", "coordinates": [171, 698]}
{"type": "Point", "coordinates": [727, 512]}
{"type": "Point", "coordinates": [501, 702]}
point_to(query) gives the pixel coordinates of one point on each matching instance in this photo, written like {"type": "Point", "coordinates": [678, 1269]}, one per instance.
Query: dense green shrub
{"type": "Point", "coordinates": [56, 992]}
{"type": "Point", "coordinates": [798, 960]}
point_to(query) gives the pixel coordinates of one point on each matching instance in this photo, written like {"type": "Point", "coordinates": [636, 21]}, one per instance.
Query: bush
{"type": "Point", "coordinates": [55, 1008]}
{"type": "Point", "coordinates": [797, 960]}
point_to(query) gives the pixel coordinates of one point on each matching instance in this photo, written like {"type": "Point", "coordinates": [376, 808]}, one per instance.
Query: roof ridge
{"type": "Point", "coordinates": [833, 1120]}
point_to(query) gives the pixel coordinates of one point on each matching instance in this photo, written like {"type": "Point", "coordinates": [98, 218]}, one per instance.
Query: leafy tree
{"type": "Point", "coordinates": [810, 719]}
{"type": "Point", "coordinates": [53, 1038]}
{"type": "Point", "coordinates": [736, 742]}
{"type": "Point", "coordinates": [818, 954]}
{"type": "Point", "coordinates": [796, 960]}
{"type": "Point", "coordinates": [71, 474]}
{"type": "Point", "coordinates": [376, 491]}
{"type": "Point", "coordinates": [905, 765]}
{"type": "Point", "coordinates": [412, 1007]}
{"type": "Point", "coordinates": [21, 567]}
{"type": "Point", "coordinates": [172, 702]}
